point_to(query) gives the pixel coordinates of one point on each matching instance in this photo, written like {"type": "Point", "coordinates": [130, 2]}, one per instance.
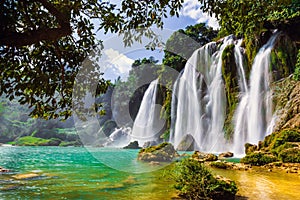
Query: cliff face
{"type": "Point", "coordinates": [282, 64]}
{"type": "Point", "coordinates": [287, 104]}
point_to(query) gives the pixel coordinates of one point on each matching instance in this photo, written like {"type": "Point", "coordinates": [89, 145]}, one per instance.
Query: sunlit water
{"type": "Point", "coordinates": [73, 173]}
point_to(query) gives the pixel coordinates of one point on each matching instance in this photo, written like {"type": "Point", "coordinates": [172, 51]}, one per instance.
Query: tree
{"type": "Point", "coordinates": [188, 40]}
{"type": "Point", "coordinates": [44, 42]}
{"type": "Point", "coordinates": [133, 89]}
{"type": "Point", "coordinates": [243, 18]}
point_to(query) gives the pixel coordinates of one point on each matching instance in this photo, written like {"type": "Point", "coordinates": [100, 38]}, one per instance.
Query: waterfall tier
{"type": "Point", "coordinates": [254, 112]}
{"type": "Point", "coordinates": [148, 123]}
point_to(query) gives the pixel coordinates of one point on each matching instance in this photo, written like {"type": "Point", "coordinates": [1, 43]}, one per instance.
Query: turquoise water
{"type": "Point", "coordinates": [75, 173]}
{"type": "Point", "coordinates": [81, 173]}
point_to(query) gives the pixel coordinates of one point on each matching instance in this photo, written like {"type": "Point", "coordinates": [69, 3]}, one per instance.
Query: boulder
{"type": "Point", "coordinates": [226, 155]}
{"type": "Point", "coordinates": [164, 152]}
{"type": "Point", "coordinates": [132, 145]}
{"type": "Point", "coordinates": [249, 148]}
{"type": "Point", "coordinates": [187, 143]}
{"type": "Point", "coordinates": [204, 156]}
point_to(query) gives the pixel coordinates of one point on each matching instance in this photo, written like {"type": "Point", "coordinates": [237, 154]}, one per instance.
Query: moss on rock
{"type": "Point", "coordinates": [279, 146]}
{"type": "Point", "coordinates": [230, 76]}
{"type": "Point", "coordinates": [164, 152]}
{"type": "Point", "coordinates": [283, 57]}
{"type": "Point", "coordinates": [258, 158]}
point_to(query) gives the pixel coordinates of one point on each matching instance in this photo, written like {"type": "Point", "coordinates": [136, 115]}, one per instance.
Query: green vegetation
{"type": "Point", "coordinates": [195, 181]}
{"type": "Point", "coordinates": [15, 124]}
{"type": "Point", "coordinates": [242, 18]}
{"type": "Point", "coordinates": [47, 40]}
{"type": "Point", "coordinates": [252, 19]}
{"type": "Point", "coordinates": [230, 77]}
{"type": "Point", "coordinates": [33, 141]}
{"type": "Point", "coordinates": [258, 158]}
{"type": "Point", "coordinates": [279, 146]}
{"type": "Point", "coordinates": [220, 165]}
{"type": "Point", "coordinates": [177, 51]}
{"type": "Point", "coordinates": [291, 155]}
{"type": "Point", "coordinates": [73, 143]}
{"type": "Point", "coordinates": [163, 152]}
{"type": "Point", "coordinates": [154, 148]}
{"type": "Point", "coordinates": [297, 68]}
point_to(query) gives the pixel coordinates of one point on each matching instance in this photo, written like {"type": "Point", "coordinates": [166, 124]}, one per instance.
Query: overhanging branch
{"type": "Point", "coordinates": [28, 37]}
{"type": "Point", "coordinates": [32, 37]}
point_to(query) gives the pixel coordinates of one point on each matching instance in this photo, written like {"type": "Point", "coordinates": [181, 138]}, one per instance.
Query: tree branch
{"type": "Point", "coordinates": [62, 18]}
{"type": "Point", "coordinates": [31, 37]}
{"type": "Point", "coordinates": [18, 39]}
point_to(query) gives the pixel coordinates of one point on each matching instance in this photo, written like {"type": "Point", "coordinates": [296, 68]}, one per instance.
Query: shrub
{"type": "Point", "coordinates": [258, 158]}
{"type": "Point", "coordinates": [291, 155]}
{"type": "Point", "coordinates": [195, 181]}
{"type": "Point", "coordinates": [286, 136]}
{"type": "Point", "coordinates": [220, 165]}
{"type": "Point", "coordinates": [152, 149]}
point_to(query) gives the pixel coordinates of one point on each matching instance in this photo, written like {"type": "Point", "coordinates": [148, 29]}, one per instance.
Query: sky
{"type": "Point", "coordinates": [116, 60]}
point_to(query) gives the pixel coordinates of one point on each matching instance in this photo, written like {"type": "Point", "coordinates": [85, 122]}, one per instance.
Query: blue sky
{"type": "Point", "coordinates": [116, 60]}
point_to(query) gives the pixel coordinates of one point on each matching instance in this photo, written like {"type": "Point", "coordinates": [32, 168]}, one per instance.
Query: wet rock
{"type": "Point", "coordinates": [132, 145]}
{"type": "Point", "coordinates": [226, 155]}
{"type": "Point", "coordinates": [187, 143]}
{"type": "Point", "coordinates": [164, 152]}
{"type": "Point", "coordinates": [204, 156]}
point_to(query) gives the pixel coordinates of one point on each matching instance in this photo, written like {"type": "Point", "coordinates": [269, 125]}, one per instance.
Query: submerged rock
{"type": "Point", "coordinates": [26, 176]}
{"type": "Point", "coordinates": [3, 170]}
{"type": "Point", "coordinates": [164, 152]}
{"type": "Point", "coordinates": [132, 145]}
{"type": "Point", "coordinates": [187, 143]}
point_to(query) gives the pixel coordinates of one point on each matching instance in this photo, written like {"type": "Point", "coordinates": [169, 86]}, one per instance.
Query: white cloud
{"type": "Point", "coordinates": [191, 8]}
{"type": "Point", "coordinates": [116, 64]}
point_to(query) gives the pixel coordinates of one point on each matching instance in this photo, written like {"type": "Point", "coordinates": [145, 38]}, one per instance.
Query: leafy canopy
{"type": "Point", "coordinates": [44, 42]}
{"type": "Point", "coordinates": [242, 17]}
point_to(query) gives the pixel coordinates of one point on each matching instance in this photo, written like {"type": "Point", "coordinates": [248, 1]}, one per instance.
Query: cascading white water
{"type": "Point", "coordinates": [201, 99]}
{"type": "Point", "coordinates": [119, 137]}
{"type": "Point", "coordinates": [254, 112]}
{"type": "Point", "coordinates": [240, 67]}
{"type": "Point", "coordinates": [148, 122]}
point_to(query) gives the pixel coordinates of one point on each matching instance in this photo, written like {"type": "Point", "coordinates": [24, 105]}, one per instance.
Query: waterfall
{"type": "Point", "coordinates": [119, 137]}
{"type": "Point", "coordinates": [201, 101]}
{"type": "Point", "coordinates": [240, 67]}
{"type": "Point", "coordinates": [148, 123]}
{"type": "Point", "coordinates": [254, 112]}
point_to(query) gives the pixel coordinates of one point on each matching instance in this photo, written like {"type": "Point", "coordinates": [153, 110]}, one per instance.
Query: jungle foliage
{"type": "Point", "coordinates": [43, 44]}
